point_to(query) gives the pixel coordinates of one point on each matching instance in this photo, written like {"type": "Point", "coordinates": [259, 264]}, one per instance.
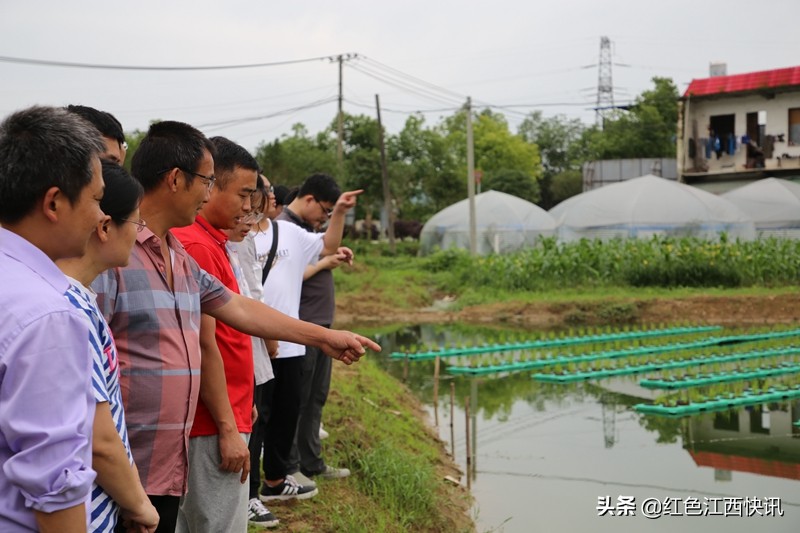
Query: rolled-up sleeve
{"type": "Point", "coordinates": [46, 411]}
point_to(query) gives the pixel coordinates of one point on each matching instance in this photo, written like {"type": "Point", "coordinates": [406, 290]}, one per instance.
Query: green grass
{"type": "Point", "coordinates": [585, 271]}
{"type": "Point", "coordinates": [397, 464]}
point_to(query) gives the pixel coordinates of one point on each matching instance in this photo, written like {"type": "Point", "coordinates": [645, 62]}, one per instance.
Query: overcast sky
{"type": "Point", "coordinates": [434, 53]}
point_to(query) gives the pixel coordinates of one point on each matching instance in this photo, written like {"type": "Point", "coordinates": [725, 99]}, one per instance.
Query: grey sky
{"type": "Point", "coordinates": [502, 52]}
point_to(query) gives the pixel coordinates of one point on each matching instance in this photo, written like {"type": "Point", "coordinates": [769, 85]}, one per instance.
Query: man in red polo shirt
{"type": "Point", "coordinates": [219, 460]}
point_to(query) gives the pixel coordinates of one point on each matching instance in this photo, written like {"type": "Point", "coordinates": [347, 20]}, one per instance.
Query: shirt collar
{"type": "Point", "coordinates": [215, 234]}
{"type": "Point", "coordinates": [297, 220]}
{"type": "Point", "coordinates": [22, 250]}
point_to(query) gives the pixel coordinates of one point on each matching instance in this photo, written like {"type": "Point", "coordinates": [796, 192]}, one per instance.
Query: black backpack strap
{"type": "Point", "coordinates": [272, 250]}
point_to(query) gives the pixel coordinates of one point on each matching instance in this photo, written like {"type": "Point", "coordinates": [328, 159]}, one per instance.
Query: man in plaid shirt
{"type": "Point", "coordinates": [154, 307]}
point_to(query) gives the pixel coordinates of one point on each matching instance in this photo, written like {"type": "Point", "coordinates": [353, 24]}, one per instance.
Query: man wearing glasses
{"type": "Point", "coordinates": [154, 307]}
{"type": "Point", "coordinates": [217, 496]}
{"type": "Point", "coordinates": [301, 381]}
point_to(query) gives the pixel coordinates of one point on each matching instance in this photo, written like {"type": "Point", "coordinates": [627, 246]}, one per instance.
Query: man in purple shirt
{"type": "Point", "coordinates": [50, 191]}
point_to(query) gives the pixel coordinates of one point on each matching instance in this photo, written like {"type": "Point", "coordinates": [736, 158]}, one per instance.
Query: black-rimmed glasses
{"type": "Point", "coordinates": [327, 210]}
{"type": "Point", "coordinates": [208, 180]}
{"type": "Point", "coordinates": [140, 224]}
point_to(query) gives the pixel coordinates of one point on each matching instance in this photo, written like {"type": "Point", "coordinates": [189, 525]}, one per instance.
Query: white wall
{"type": "Point", "coordinates": [777, 122]}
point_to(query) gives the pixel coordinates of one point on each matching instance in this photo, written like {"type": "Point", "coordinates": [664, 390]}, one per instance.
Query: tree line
{"type": "Point", "coordinates": [540, 162]}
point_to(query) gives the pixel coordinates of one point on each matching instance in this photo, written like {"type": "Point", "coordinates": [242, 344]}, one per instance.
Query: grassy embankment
{"type": "Point", "coordinates": [376, 430]}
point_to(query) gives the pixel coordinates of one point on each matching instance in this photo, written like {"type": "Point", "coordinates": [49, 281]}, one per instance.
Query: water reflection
{"type": "Point", "coordinates": [759, 440]}
{"type": "Point", "coordinates": [542, 454]}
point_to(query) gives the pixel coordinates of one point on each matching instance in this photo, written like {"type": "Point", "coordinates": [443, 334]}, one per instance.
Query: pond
{"type": "Point", "coordinates": [577, 457]}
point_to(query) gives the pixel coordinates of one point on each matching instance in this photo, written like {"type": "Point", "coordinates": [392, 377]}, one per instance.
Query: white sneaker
{"type": "Point", "coordinates": [304, 480]}
{"type": "Point", "coordinates": [259, 516]}
{"type": "Point", "coordinates": [334, 473]}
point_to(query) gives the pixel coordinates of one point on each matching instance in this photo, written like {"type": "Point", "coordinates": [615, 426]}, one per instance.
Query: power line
{"type": "Point", "coordinates": [402, 111]}
{"type": "Point", "coordinates": [402, 85]}
{"type": "Point", "coordinates": [236, 121]}
{"type": "Point", "coordinates": [225, 104]}
{"type": "Point", "coordinates": [70, 64]}
{"type": "Point", "coordinates": [380, 65]}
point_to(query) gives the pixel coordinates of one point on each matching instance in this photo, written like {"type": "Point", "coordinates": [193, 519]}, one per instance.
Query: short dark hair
{"type": "Point", "coordinates": [229, 156]}
{"type": "Point", "coordinates": [123, 192]}
{"type": "Point", "coordinates": [43, 147]}
{"type": "Point", "coordinates": [105, 122]}
{"type": "Point", "coordinates": [169, 145]}
{"type": "Point", "coordinates": [281, 195]}
{"type": "Point", "coordinates": [322, 187]}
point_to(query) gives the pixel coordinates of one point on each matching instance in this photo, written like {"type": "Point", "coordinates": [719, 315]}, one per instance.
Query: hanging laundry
{"type": "Point", "coordinates": [769, 146]}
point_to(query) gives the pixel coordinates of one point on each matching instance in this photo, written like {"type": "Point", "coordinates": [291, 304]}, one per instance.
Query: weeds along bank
{"type": "Point", "coordinates": [377, 429]}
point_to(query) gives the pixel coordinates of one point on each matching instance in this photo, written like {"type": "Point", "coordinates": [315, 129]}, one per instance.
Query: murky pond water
{"type": "Point", "coordinates": [552, 458]}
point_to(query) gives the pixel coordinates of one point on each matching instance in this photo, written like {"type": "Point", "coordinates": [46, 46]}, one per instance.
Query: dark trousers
{"type": "Point", "coordinates": [256, 443]}
{"type": "Point", "coordinates": [167, 507]}
{"type": "Point", "coordinates": [283, 406]}
{"type": "Point", "coordinates": [307, 450]}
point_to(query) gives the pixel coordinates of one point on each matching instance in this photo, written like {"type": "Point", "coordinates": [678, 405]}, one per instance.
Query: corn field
{"type": "Point", "coordinates": [657, 262]}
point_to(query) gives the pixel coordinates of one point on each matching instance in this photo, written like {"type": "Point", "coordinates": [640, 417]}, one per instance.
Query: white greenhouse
{"type": "Point", "coordinates": [773, 204]}
{"type": "Point", "coordinates": [647, 206]}
{"type": "Point", "coordinates": [504, 223]}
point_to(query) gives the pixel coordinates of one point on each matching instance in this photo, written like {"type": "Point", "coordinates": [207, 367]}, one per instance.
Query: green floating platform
{"type": "Point", "coordinates": [719, 404]}
{"type": "Point", "coordinates": [550, 343]}
{"type": "Point", "coordinates": [662, 365]}
{"type": "Point", "coordinates": [519, 366]}
{"type": "Point", "coordinates": [721, 377]}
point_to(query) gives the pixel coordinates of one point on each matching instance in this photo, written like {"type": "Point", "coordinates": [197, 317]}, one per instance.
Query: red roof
{"type": "Point", "coordinates": [766, 79]}
{"type": "Point", "coordinates": [753, 465]}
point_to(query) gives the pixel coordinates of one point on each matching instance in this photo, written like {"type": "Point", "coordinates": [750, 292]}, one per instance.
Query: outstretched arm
{"type": "Point", "coordinates": [259, 320]}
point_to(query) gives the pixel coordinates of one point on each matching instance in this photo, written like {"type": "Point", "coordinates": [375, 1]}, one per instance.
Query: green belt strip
{"type": "Point", "coordinates": [631, 352]}
{"type": "Point", "coordinates": [551, 343]}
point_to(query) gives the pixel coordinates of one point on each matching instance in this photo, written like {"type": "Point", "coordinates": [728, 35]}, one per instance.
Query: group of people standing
{"type": "Point", "coordinates": [159, 328]}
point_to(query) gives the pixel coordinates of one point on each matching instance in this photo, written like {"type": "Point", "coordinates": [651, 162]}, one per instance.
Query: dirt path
{"type": "Point", "coordinates": [723, 310]}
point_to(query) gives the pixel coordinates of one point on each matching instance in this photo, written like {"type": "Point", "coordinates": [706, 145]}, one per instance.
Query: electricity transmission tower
{"type": "Point", "coordinates": [605, 84]}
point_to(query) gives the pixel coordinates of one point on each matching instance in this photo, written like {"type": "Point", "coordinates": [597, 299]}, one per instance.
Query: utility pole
{"type": "Point", "coordinates": [340, 126]}
{"type": "Point", "coordinates": [387, 194]}
{"type": "Point", "coordinates": [473, 239]}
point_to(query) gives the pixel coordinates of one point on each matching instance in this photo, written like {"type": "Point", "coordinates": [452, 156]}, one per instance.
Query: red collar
{"type": "Point", "coordinates": [214, 233]}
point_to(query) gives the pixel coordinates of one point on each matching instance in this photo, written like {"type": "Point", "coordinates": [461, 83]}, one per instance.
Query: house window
{"type": "Point", "coordinates": [794, 126]}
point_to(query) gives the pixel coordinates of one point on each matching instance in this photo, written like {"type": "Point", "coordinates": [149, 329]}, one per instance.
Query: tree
{"type": "Point", "coordinates": [362, 161]}
{"type": "Point", "coordinates": [565, 184]}
{"type": "Point", "coordinates": [514, 182]}
{"type": "Point", "coordinates": [292, 158]}
{"type": "Point", "coordinates": [133, 139]}
{"type": "Point", "coordinates": [647, 129]}
{"type": "Point", "coordinates": [503, 157]}
{"type": "Point", "coordinates": [562, 148]}
{"type": "Point", "coordinates": [433, 175]}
